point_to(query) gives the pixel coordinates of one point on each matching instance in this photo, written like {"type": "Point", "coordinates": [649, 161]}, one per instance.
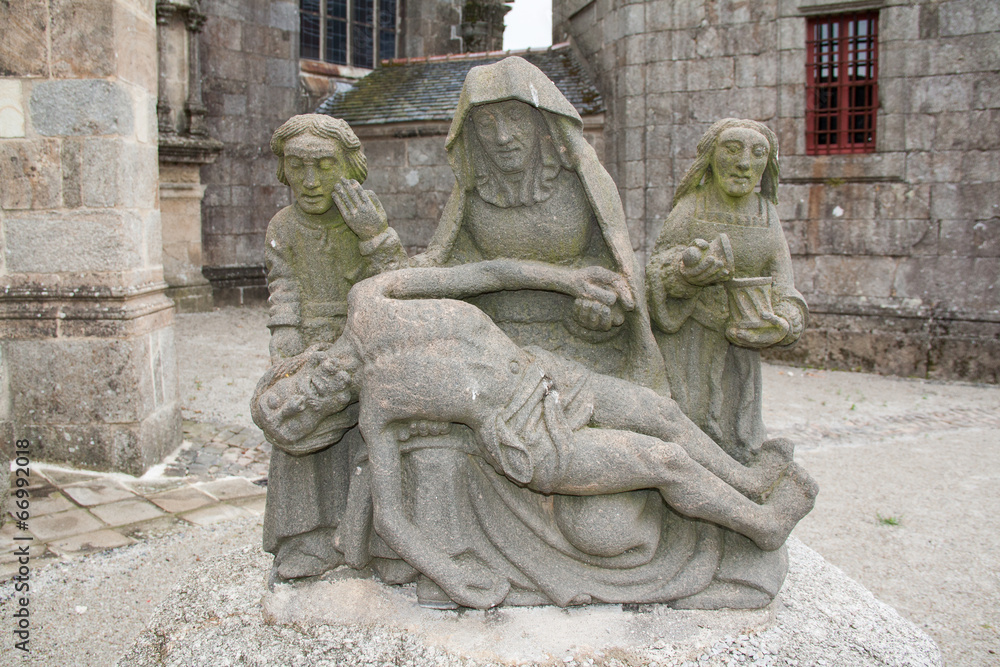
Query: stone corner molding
{"type": "Point", "coordinates": [189, 149]}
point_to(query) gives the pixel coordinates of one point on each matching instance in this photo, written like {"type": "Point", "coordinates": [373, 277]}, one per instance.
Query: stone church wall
{"type": "Point", "coordinates": [250, 83]}
{"type": "Point", "coordinates": [86, 332]}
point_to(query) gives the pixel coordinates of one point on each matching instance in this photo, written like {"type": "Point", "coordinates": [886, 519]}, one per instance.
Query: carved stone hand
{"type": "Point", "coordinates": [761, 336]}
{"type": "Point", "coordinates": [361, 209]}
{"type": "Point", "coordinates": [701, 267]}
{"type": "Point", "coordinates": [603, 297]}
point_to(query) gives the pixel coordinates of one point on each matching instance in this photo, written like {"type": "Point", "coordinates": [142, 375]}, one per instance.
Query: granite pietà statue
{"type": "Point", "coordinates": [499, 405]}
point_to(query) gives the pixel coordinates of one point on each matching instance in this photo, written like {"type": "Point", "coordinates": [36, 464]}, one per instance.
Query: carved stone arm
{"type": "Point", "coordinates": [593, 282]}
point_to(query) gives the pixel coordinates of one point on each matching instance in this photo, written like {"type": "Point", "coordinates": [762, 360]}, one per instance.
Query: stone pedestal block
{"type": "Point", "coordinates": [93, 381]}
{"type": "Point", "coordinates": [181, 193]}
{"type": "Point", "coordinates": [223, 613]}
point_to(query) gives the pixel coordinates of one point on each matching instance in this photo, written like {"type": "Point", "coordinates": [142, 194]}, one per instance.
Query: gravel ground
{"type": "Point", "coordinates": [221, 356]}
{"type": "Point", "coordinates": [214, 618]}
{"type": "Point", "coordinates": [922, 455]}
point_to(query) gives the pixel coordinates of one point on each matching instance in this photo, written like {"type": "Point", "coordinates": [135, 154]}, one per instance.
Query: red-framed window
{"type": "Point", "coordinates": [841, 83]}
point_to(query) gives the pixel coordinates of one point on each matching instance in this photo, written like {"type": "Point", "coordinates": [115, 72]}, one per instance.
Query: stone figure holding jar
{"type": "Point", "coordinates": [720, 284]}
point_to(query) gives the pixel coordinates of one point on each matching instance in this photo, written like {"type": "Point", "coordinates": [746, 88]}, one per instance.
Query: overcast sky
{"type": "Point", "coordinates": [529, 23]}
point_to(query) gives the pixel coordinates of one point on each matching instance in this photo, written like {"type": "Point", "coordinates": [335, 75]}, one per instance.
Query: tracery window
{"type": "Point", "coordinates": [359, 33]}
{"type": "Point", "coordinates": [841, 83]}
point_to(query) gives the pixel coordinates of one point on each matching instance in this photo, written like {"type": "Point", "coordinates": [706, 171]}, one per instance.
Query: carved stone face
{"type": "Point", "coordinates": [313, 165]}
{"type": "Point", "coordinates": [507, 133]}
{"type": "Point", "coordinates": [739, 160]}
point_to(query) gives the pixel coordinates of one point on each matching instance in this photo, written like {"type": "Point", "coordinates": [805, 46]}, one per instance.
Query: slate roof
{"type": "Point", "coordinates": [427, 89]}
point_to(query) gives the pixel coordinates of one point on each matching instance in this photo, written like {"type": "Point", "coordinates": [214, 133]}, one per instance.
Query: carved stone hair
{"type": "Point", "coordinates": [702, 167]}
{"type": "Point", "coordinates": [325, 127]}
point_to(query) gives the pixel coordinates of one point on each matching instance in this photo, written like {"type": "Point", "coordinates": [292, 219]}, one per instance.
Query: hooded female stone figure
{"type": "Point", "coordinates": [720, 232]}
{"type": "Point", "coordinates": [530, 187]}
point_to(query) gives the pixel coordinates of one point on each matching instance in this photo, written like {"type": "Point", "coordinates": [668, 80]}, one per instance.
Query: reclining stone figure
{"type": "Point", "coordinates": [413, 361]}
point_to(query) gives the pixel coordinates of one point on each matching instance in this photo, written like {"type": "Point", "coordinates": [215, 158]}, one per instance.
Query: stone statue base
{"type": "Point", "coordinates": [224, 614]}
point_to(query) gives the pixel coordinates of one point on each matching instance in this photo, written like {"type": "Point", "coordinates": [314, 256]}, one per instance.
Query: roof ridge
{"type": "Point", "coordinates": [470, 56]}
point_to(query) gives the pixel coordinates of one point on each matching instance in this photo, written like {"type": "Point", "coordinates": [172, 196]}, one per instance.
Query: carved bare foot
{"type": "Point", "coordinates": [767, 466]}
{"type": "Point", "coordinates": [307, 555]}
{"type": "Point", "coordinates": [792, 499]}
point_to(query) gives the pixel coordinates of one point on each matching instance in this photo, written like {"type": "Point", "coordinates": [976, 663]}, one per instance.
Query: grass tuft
{"type": "Point", "coordinates": [889, 520]}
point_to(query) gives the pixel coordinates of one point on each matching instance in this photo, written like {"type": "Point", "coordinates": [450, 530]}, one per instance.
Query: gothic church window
{"type": "Point", "coordinates": [841, 83]}
{"type": "Point", "coordinates": [359, 33]}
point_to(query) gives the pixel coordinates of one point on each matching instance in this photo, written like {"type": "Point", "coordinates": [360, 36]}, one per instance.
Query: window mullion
{"type": "Point", "coordinates": [322, 30]}
{"type": "Point", "coordinates": [844, 86]}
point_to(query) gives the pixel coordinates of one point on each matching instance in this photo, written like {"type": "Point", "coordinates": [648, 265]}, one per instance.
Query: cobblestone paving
{"type": "Point", "coordinates": [813, 436]}
{"type": "Point", "coordinates": [211, 451]}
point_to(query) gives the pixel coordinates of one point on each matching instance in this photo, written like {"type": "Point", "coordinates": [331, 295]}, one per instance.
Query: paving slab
{"type": "Point", "coordinates": [98, 540]}
{"type": "Point", "coordinates": [34, 482]}
{"type": "Point", "coordinates": [253, 505]}
{"type": "Point", "coordinates": [181, 500]}
{"type": "Point", "coordinates": [63, 524]}
{"type": "Point", "coordinates": [36, 549]}
{"type": "Point", "coordinates": [8, 531]}
{"type": "Point", "coordinates": [48, 500]}
{"type": "Point", "coordinates": [97, 492]}
{"type": "Point", "coordinates": [199, 430]}
{"type": "Point", "coordinates": [127, 511]}
{"type": "Point", "coordinates": [234, 487]}
{"type": "Point", "coordinates": [64, 477]}
{"type": "Point", "coordinates": [214, 514]}
{"type": "Point", "coordinates": [144, 487]}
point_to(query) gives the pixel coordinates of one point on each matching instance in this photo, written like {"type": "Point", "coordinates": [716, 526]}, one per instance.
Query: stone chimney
{"type": "Point", "coordinates": [482, 24]}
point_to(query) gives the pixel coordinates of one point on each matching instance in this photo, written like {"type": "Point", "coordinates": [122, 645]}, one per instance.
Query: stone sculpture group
{"type": "Point", "coordinates": [514, 417]}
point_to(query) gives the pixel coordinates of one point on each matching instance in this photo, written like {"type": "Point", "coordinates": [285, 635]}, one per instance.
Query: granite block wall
{"type": "Point", "coordinates": [250, 82]}
{"type": "Point", "coordinates": [86, 334]}
{"type": "Point", "coordinates": [895, 251]}
{"type": "Point", "coordinates": [426, 28]}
